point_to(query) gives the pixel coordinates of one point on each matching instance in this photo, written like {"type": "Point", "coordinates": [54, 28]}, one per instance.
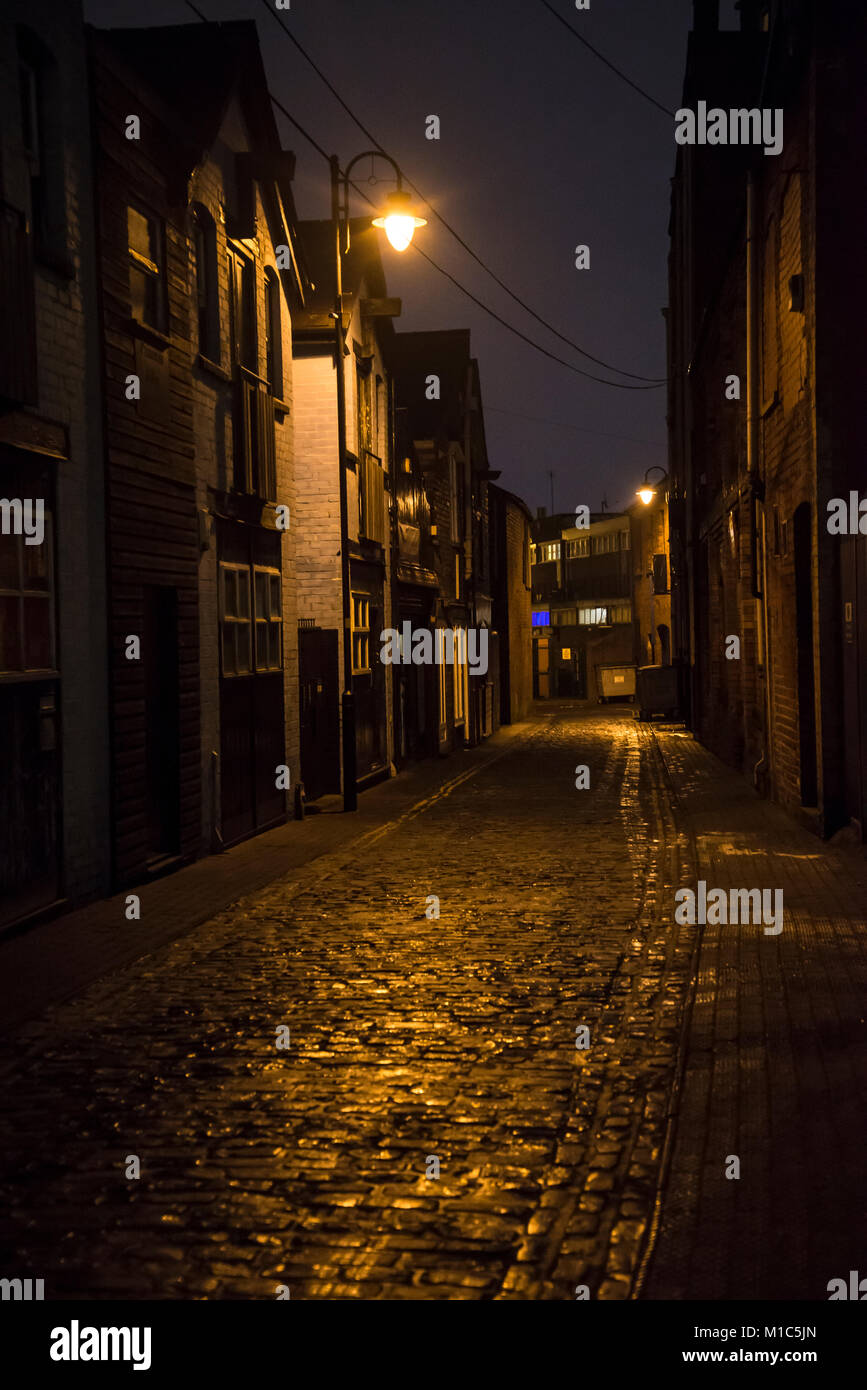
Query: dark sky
{"type": "Point", "coordinates": [542, 148]}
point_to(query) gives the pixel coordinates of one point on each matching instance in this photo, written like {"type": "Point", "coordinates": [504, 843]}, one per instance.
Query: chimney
{"type": "Point", "coordinates": [705, 16]}
{"type": "Point", "coordinates": [541, 513]}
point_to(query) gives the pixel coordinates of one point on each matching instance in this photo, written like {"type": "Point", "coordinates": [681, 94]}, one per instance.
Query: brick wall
{"type": "Point", "coordinates": [69, 394]}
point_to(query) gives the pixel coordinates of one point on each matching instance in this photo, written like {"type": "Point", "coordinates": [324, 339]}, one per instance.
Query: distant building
{"type": "Point", "coordinates": [439, 395]}
{"type": "Point", "coordinates": [651, 575]}
{"type": "Point", "coordinates": [582, 603]}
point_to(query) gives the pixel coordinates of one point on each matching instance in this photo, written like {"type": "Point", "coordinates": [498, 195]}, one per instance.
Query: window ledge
{"type": "Point", "coordinates": [280, 406]}
{"type": "Point", "coordinates": [17, 677]}
{"type": "Point", "coordinates": [207, 365]}
{"type": "Point", "coordinates": [147, 334]}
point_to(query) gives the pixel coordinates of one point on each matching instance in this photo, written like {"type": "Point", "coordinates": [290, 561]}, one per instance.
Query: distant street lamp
{"type": "Point", "coordinates": [647, 493]}
{"type": "Point", "coordinates": [399, 223]}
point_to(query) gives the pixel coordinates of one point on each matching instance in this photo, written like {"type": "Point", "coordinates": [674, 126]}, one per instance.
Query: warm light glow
{"type": "Point", "coordinates": [647, 495]}
{"type": "Point", "coordinates": [399, 221]}
{"type": "Point", "coordinates": [399, 230]}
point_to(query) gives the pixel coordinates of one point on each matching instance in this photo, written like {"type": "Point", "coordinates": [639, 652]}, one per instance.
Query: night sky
{"type": "Point", "coordinates": [542, 148]}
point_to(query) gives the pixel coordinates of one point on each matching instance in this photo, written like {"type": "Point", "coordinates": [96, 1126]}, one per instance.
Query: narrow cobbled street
{"type": "Point", "coordinates": [428, 1128]}
{"type": "Point", "coordinates": [411, 1038]}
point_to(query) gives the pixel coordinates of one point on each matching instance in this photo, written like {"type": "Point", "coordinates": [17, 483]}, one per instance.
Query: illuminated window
{"type": "Point", "coordinates": [360, 634]}
{"type": "Point", "coordinates": [577, 549]}
{"type": "Point", "coordinates": [542, 619]}
{"type": "Point", "coordinates": [550, 550]}
{"type": "Point", "coordinates": [592, 617]}
{"type": "Point", "coordinates": [460, 674]}
{"type": "Point", "coordinates": [442, 668]}
{"type": "Point", "coordinates": [146, 269]}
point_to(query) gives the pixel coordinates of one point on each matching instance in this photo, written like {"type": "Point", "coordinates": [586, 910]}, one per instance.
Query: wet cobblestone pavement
{"type": "Point", "coordinates": [410, 1038]}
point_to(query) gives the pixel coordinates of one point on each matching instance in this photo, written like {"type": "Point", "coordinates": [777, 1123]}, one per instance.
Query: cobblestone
{"type": "Point", "coordinates": [452, 1037]}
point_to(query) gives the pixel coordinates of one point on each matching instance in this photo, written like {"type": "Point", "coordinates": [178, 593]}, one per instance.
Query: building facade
{"type": "Point", "coordinates": [763, 400]}
{"type": "Point", "coordinates": [197, 357]}
{"type": "Point", "coordinates": [54, 802]}
{"type": "Point", "coordinates": [369, 428]}
{"type": "Point", "coordinates": [582, 603]}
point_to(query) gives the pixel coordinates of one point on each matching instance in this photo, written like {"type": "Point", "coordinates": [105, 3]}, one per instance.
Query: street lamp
{"type": "Point", "coordinates": [399, 223]}
{"type": "Point", "coordinates": [647, 493]}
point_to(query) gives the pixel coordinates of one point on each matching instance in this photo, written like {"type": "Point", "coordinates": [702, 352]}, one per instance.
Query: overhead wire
{"type": "Point", "coordinates": [601, 56]}
{"type": "Point", "coordinates": [651, 384]}
{"type": "Point", "coordinates": [600, 362]}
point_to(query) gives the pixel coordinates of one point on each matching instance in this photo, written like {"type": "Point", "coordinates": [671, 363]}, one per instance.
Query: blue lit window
{"type": "Point", "coordinates": [542, 619]}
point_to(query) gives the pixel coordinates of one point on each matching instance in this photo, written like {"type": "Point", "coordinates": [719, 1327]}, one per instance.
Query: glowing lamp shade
{"type": "Point", "coordinates": [399, 220]}
{"type": "Point", "coordinates": [647, 495]}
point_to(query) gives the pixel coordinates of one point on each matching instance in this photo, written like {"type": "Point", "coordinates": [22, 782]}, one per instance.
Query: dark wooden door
{"type": "Point", "coordinates": [320, 719]}
{"type": "Point", "coordinates": [252, 748]}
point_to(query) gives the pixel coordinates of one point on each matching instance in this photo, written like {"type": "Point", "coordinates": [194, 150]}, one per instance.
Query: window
{"type": "Point", "coordinates": [268, 618]}
{"type": "Point", "coordinates": [26, 604]}
{"type": "Point", "coordinates": [577, 549]}
{"type": "Point", "coordinates": [242, 310]}
{"type": "Point", "coordinates": [624, 539]}
{"type": "Point", "coordinates": [439, 639]}
{"type": "Point", "coordinates": [207, 303]}
{"type": "Point", "coordinates": [362, 391]}
{"type": "Point", "coordinates": [541, 618]}
{"type": "Point", "coordinates": [273, 334]}
{"type": "Point", "coordinates": [563, 617]}
{"type": "Point", "coordinates": [31, 126]}
{"type": "Point", "coordinates": [550, 551]}
{"type": "Point", "coordinates": [360, 634]}
{"type": "Point", "coordinates": [146, 270]}
{"type": "Point", "coordinates": [457, 575]}
{"type": "Point", "coordinates": [660, 574]}
{"type": "Point", "coordinates": [460, 673]}
{"type": "Point", "coordinates": [593, 617]}
{"type": "Point", "coordinates": [454, 498]}
{"type": "Point", "coordinates": [40, 97]}
{"type": "Point", "coordinates": [235, 624]}
{"type": "Point", "coordinates": [620, 613]}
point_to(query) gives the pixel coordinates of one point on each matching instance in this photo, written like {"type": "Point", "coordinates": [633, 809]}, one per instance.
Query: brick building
{"type": "Point", "coordinates": [651, 578]}
{"type": "Point", "coordinates": [368, 335]}
{"type": "Point", "coordinates": [439, 395]}
{"type": "Point", "coordinates": [765, 303]}
{"type": "Point", "coordinates": [193, 200]}
{"type": "Point", "coordinates": [581, 603]}
{"type": "Point", "coordinates": [54, 803]}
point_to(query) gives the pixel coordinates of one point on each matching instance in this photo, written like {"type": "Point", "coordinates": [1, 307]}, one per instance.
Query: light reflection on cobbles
{"type": "Point", "coordinates": [409, 1037]}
